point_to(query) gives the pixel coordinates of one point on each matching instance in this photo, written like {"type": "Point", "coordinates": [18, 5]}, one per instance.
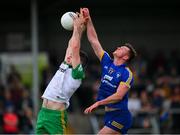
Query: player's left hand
{"type": "Point", "coordinates": [85, 13]}
{"type": "Point", "coordinates": [91, 108]}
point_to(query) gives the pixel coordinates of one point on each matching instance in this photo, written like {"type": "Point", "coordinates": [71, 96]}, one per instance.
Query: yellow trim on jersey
{"type": "Point", "coordinates": [125, 83]}
{"type": "Point", "coordinates": [63, 121]}
{"type": "Point", "coordinates": [102, 54]}
{"type": "Point", "coordinates": [130, 76]}
{"type": "Point", "coordinates": [117, 125]}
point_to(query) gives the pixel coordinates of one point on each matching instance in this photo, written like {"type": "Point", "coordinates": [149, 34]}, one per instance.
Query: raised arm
{"type": "Point", "coordinates": [74, 43]}
{"type": "Point", "coordinates": [92, 35]}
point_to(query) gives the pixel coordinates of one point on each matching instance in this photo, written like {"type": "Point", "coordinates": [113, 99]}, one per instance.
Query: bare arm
{"type": "Point", "coordinates": [74, 43]}
{"type": "Point", "coordinates": [92, 35]}
{"type": "Point", "coordinates": [121, 91]}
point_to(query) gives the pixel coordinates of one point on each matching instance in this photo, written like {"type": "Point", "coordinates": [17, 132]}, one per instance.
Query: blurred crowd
{"type": "Point", "coordinates": [16, 106]}
{"type": "Point", "coordinates": [156, 92]}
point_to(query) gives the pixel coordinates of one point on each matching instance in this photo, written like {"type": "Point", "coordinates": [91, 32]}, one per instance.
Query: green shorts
{"type": "Point", "coordinates": [51, 122]}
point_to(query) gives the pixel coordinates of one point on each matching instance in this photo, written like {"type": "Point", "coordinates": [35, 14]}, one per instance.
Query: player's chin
{"type": "Point", "coordinates": [68, 61]}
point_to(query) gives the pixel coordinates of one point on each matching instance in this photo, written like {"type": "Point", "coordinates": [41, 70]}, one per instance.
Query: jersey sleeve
{"type": "Point", "coordinates": [127, 78]}
{"type": "Point", "coordinates": [78, 72]}
{"type": "Point", "coordinates": [105, 58]}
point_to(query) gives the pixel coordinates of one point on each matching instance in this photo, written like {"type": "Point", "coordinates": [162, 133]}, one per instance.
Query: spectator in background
{"type": "Point", "coordinates": [26, 100]}
{"type": "Point", "coordinates": [26, 123]}
{"type": "Point", "coordinates": [146, 108]}
{"type": "Point", "coordinates": [8, 99]}
{"type": "Point", "coordinates": [175, 105]}
{"type": "Point", "coordinates": [16, 88]}
{"type": "Point", "coordinates": [157, 98]}
{"type": "Point", "coordinates": [2, 98]}
{"type": "Point", "coordinates": [134, 103]}
{"type": "Point", "coordinates": [13, 72]}
{"type": "Point", "coordinates": [174, 76]}
{"type": "Point", "coordinates": [146, 105]}
{"type": "Point", "coordinates": [10, 121]}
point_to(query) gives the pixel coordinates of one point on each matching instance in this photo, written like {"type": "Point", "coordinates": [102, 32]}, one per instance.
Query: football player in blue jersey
{"type": "Point", "coordinates": [116, 80]}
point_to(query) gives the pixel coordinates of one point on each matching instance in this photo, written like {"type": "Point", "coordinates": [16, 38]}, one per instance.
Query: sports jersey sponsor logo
{"type": "Point", "coordinates": [108, 83]}
{"type": "Point", "coordinates": [62, 70]}
{"type": "Point", "coordinates": [107, 77]}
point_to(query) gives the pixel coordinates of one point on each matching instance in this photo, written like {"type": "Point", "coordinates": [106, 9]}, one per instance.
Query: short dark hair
{"type": "Point", "coordinates": [132, 53]}
{"type": "Point", "coordinates": [84, 58]}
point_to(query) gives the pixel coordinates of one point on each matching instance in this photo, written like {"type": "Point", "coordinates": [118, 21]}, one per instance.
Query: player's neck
{"type": "Point", "coordinates": [118, 62]}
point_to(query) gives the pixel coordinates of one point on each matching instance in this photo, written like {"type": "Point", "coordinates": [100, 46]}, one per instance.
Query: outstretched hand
{"type": "Point", "coordinates": [91, 108]}
{"type": "Point", "coordinates": [85, 13]}
{"type": "Point", "coordinates": [78, 21]}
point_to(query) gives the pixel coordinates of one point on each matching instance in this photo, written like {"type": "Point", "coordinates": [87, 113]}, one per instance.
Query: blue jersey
{"type": "Point", "coordinates": [112, 76]}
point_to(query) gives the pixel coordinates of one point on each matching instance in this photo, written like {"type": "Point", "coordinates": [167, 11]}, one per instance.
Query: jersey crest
{"type": "Point", "coordinates": [118, 75]}
{"type": "Point", "coordinates": [111, 70]}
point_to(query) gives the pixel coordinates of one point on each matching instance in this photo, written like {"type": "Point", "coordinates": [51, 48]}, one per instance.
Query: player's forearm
{"type": "Point", "coordinates": [111, 99]}
{"type": "Point", "coordinates": [76, 39]}
{"type": "Point", "coordinates": [75, 46]}
{"type": "Point", "coordinates": [93, 38]}
{"type": "Point", "coordinates": [77, 33]}
{"type": "Point", "coordinates": [74, 43]}
{"type": "Point", "coordinates": [91, 32]}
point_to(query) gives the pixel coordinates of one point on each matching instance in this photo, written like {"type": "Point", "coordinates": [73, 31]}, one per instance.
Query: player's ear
{"type": "Point", "coordinates": [126, 57]}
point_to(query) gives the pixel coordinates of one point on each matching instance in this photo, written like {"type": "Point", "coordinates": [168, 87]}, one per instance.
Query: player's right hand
{"type": "Point", "coordinates": [91, 108]}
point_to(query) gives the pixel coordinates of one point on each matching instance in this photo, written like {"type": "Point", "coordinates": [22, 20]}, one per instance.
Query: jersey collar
{"type": "Point", "coordinates": [70, 66]}
{"type": "Point", "coordinates": [122, 65]}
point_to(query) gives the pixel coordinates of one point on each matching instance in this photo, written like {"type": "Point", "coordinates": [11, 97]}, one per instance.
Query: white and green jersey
{"type": "Point", "coordinates": [64, 83]}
